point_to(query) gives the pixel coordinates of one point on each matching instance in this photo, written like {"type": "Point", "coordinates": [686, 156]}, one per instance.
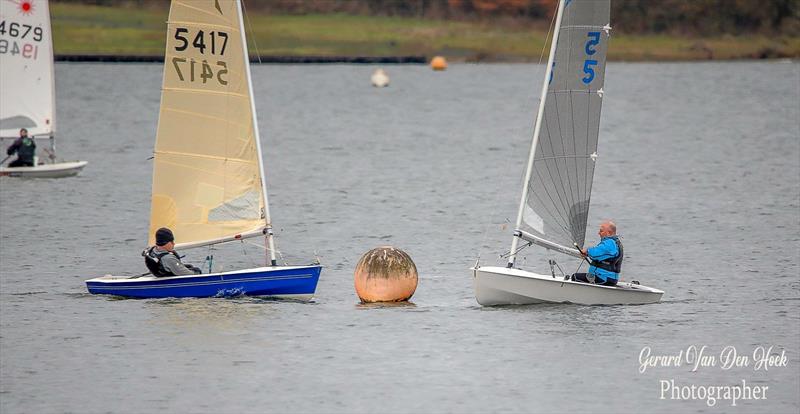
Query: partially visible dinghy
{"type": "Point", "coordinates": [208, 174]}
{"type": "Point", "coordinates": [554, 208]}
{"type": "Point", "coordinates": [27, 90]}
{"type": "Point", "coordinates": [44, 170]}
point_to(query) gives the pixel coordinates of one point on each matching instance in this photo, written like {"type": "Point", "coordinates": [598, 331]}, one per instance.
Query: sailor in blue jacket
{"type": "Point", "coordinates": [605, 258]}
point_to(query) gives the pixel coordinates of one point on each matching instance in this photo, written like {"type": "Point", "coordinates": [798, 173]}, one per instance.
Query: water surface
{"type": "Point", "coordinates": [699, 166]}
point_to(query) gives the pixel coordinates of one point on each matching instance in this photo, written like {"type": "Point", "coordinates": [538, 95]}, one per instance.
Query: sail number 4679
{"type": "Point", "coordinates": [21, 31]}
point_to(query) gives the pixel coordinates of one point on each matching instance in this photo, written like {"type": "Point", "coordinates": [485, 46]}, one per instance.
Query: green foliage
{"type": "Point", "coordinates": [707, 17]}
{"type": "Point", "coordinates": [87, 29]}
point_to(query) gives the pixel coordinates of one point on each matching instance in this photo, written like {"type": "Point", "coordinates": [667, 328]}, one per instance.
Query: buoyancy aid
{"type": "Point", "coordinates": [26, 149]}
{"type": "Point", "coordinates": [153, 261]}
{"type": "Point", "coordinates": [612, 264]}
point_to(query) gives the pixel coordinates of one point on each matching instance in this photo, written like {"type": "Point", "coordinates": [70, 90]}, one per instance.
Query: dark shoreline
{"type": "Point", "coordinates": [253, 59]}
{"type": "Point", "coordinates": [398, 60]}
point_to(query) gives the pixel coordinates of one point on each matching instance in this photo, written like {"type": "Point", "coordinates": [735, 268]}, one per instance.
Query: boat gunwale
{"type": "Point", "coordinates": [111, 279]}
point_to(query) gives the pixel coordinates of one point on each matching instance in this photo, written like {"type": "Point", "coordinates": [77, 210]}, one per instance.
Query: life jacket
{"type": "Point", "coordinates": [153, 262]}
{"type": "Point", "coordinates": [612, 264]}
{"type": "Point", "coordinates": [26, 149]}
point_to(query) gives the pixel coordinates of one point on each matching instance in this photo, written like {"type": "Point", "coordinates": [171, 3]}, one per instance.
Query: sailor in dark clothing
{"type": "Point", "coordinates": [25, 148]}
{"type": "Point", "coordinates": [162, 260]}
{"type": "Point", "coordinates": [605, 258]}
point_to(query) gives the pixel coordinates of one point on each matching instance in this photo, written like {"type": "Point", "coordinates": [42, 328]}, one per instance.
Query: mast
{"type": "Point", "coordinates": [270, 240]}
{"type": "Point", "coordinates": [536, 129]}
{"type": "Point", "coordinates": [52, 88]}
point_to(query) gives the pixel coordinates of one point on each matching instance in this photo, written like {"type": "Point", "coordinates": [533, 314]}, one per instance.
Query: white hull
{"type": "Point", "coordinates": [504, 286]}
{"type": "Point", "coordinates": [57, 170]}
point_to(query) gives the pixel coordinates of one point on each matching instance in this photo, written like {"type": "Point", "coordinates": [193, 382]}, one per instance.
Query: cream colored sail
{"type": "Point", "coordinates": [207, 183]}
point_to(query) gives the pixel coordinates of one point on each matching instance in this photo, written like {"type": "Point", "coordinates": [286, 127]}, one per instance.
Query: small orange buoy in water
{"type": "Point", "coordinates": [385, 274]}
{"type": "Point", "coordinates": [438, 63]}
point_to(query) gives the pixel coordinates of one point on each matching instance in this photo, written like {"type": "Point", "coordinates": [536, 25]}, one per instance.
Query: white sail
{"type": "Point", "coordinates": [207, 176]}
{"type": "Point", "coordinates": [555, 202]}
{"type": "Point", "coordinates": [555, 197]}
{"type": "Point", "coordinates": [27, 97]}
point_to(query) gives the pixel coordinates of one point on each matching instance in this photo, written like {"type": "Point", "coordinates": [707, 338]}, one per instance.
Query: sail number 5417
{"type": "Point", "coordinates": [588, 64]}
{"type": "Point", "coordinates": [199, 70]}
{"type": "Point", "coordinates": [217, 41]}
{"type": "Point", "coordinates": [211, 43]}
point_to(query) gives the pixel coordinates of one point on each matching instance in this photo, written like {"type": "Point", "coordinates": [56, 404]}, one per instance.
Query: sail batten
{"type": "Point", "coordinates": [598, 27]}
{"type": "Point", "coordinates": [208, 25]}
{"type": "Point", "coordinates": [206, 92]}
{"type": "Point", "coordinates": [207, 175]}
{"type": "Point", "coordinates": [202, 156]}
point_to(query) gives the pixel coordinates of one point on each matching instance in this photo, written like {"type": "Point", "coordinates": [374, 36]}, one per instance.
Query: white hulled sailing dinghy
{"type": "Point", "coordinates": [27, 90]}
{"type": "Point", "coordinates": [208, 180]}
{"type": "Point", "coordinates": [554, 208]}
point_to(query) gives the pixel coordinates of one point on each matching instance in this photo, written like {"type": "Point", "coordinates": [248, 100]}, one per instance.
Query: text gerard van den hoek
{"type": "Point", "coordinates": [729, 357]}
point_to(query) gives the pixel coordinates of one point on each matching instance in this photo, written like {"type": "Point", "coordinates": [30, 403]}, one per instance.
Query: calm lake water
{"type": "Point", "coordinates": [699, 166]}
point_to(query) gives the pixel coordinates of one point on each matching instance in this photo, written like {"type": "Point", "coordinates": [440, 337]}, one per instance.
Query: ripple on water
{"type": "Point", "coordinates": [681, 193]}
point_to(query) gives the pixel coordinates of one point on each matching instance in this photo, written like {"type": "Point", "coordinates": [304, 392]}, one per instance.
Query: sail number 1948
{"type": "Point", "coordinates": [202, 71]}
{"type": "Point", "coordinates": [190, 69]}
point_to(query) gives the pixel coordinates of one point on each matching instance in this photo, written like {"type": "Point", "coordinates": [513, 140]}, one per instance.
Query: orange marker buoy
{"type": "Point", "coordinates": [385, 274]}
{"type": "Point", "coordinates": [438, 63]}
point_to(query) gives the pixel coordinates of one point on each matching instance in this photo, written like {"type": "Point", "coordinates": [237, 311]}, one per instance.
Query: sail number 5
{"type": "Point", "coordinates": [588, 64]}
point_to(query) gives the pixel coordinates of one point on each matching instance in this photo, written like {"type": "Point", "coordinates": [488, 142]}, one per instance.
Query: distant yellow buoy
{"type": "Point", "coordinates": [380, 78]}
{"type": "Point", "coordinates": [385, 274]}
{"type": "Point", "coordinates": [438, 63]}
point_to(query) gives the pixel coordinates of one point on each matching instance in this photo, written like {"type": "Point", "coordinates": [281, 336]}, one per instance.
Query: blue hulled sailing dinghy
{"type": "Point", "coordinates": [208, 174]}
{"type": "Point", "coordinates": [554, 208]}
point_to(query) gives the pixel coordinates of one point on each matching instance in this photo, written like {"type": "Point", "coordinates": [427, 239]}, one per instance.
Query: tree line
{"type": "Point", "coordinates": [672, 17]}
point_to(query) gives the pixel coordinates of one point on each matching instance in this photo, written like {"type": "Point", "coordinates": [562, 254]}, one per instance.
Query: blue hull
{"type": "Point", "coordinates": [294, 281]}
